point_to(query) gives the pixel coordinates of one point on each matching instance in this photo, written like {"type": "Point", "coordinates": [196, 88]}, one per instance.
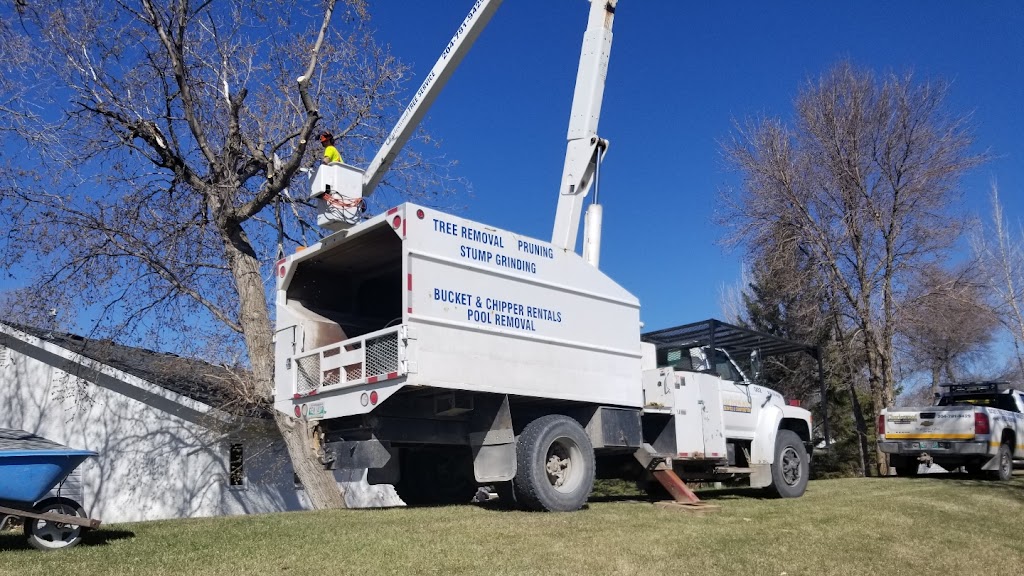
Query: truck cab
{"type": "Point", "coordinates": [744, 427]}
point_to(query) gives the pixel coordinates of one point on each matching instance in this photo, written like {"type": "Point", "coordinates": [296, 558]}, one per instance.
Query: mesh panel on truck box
{"type": "Point", "coordinates": [381, 358]}
{"type": "Point", "coordinates": [307, 373]}
{"type": "Point", "coordinates": [382, 354]}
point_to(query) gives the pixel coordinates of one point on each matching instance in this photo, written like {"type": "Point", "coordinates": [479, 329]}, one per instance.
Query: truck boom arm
{"type": "Point", "coordinates": [582, 151]}
{"type": "Point", "coordinates": [443, 69]}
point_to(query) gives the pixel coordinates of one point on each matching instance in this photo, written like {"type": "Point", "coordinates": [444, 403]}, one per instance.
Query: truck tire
{"type": "Point", "coordinates": [555, 462]}
{"type": "Point", "coordinates": [1004, 459]}
{"type": "Point", "coordinates": [791, 468]}
{"type": "Point", "coordinates": [436, 476]}
{"type": "Point", "coordinates": [50, 535]}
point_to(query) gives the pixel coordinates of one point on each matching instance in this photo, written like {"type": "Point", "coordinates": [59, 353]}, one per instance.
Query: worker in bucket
{"type": "Point", "coordinates": [331, 153]}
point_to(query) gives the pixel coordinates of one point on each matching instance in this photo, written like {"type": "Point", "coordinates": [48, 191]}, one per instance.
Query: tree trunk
{"type": "Point", "coordinates": [876, 382]}
{"type": "Point", "coordinates": [886, 395]}
{"type": "Point", "coordinates": [321, 488]}
{"type": "Point", "coordinates": [254, 317]}
{"type": "Point", "coordinates": [881, 458]}
{"type": "Point", "coordinates": [862, 430]}
{"type": "Point", "coordinates": [949, 373]}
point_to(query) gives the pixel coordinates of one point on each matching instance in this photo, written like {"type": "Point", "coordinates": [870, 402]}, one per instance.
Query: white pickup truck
{"type": "Point", "coordinates": [979, 426]}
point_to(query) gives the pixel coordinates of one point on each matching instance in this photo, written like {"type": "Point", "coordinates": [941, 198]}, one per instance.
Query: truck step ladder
{"type": "Point", "coordinates": [660, 466]}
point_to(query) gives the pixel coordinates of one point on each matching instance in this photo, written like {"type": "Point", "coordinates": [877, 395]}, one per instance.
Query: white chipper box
{"type": "Point", "coordinates": [416, 297]}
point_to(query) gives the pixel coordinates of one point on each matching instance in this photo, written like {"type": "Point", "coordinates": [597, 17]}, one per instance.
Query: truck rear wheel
{"type": "Point", "coordinates": [1004, 459]}
{"type": "Point", "coordinates": [555, 462]}
{"type": "Point", "coordinates": [791, 468]}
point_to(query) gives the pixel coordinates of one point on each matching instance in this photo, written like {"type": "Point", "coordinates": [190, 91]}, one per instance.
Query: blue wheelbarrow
{"type": "Point", "coordinates": [30, 467]}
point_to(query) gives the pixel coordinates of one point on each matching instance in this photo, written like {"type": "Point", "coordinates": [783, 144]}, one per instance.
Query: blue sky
{"type": "Point", "coordinates": [679, 73]}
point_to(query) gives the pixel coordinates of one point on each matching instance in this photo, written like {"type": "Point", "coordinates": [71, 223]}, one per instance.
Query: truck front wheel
{"type": "Point", "coordinates": [791, 468]}
{"type": "Point", "coordinates": [555, 462]}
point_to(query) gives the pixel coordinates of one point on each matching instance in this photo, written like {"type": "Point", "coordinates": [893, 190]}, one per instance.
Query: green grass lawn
{"type": "Point", "coordinates": [855, 526]}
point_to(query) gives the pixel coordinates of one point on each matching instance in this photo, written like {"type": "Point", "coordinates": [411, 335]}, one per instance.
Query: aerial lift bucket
{"type": "Point", "coordinates": [338, 191]}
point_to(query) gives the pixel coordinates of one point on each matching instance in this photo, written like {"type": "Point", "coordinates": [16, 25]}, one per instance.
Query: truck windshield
{"type": "Point", "coordinates": [725, 367]}
{"type": "Point", "coordinates": [695, 360]}
{"type": "Point", "coordinates": [1000, 401]}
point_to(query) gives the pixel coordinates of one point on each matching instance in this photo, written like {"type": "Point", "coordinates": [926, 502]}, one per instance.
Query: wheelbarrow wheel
{"type": "Point", "coordinates": [50, 535]}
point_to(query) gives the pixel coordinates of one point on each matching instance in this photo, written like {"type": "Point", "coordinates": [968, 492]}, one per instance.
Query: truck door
{"type": "Point", "coordinates": [711, 416]}
{"type": "Point", "coordinates": [687, 410]}
{"type": "Point", "coordinates": [737, 406]}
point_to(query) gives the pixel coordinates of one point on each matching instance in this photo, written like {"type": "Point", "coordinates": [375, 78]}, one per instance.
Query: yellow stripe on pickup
{"type": "Point", "coordinates": [920, 436]}
{"type": "Point", "coordinates": [997, 444]}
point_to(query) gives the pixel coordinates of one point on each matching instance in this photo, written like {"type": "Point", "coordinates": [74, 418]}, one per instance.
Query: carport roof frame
{"type": "Point", "coordinates": [734, 339]}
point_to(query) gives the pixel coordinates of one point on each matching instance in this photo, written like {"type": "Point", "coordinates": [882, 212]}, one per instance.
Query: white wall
{"type": "Point", "coordinates": [161, 455]}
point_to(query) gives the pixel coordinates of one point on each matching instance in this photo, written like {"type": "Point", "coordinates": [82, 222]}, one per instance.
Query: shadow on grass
{"type": "Point", "coordinates": [622, 498]}
{"type": "Point", "coordinates": [1013, 488]}
{"type": "Point", "coordinates": [737, 493]}
{"type": "Point", "coordinates": [499, 506]}
{"type": "Point", "coordinates": [16, 540]}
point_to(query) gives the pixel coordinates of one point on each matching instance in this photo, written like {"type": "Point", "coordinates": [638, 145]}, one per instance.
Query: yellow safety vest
{"type": "Point", "coordinates": [331, 154]}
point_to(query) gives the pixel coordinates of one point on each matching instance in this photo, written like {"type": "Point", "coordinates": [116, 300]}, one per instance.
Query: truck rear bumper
{"type": "Point", "coordinates": [934, 448]}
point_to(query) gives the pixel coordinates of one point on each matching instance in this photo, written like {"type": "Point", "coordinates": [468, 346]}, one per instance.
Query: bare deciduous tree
{"type": "Point", "coordinates": [945, 322]}
{"type": "Point", "coordinates": [1000, 255]}
{"type": "Point", "coordinates": [159, 142]}
{"type": "Point", "coordinates": [862, 183]}
{"type": "Point", "coordinates": [788, 296]}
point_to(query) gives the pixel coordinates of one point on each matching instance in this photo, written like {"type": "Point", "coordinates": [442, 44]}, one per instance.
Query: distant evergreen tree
{"type": "Point", "coordinates": [786, 298]}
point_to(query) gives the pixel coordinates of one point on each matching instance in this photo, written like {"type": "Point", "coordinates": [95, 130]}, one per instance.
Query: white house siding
{"type": "Point", "coordinates": [162, 455]}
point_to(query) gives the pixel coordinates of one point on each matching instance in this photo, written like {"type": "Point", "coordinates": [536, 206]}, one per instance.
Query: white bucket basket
{"type": "Point", "coordinates": [338, 189]}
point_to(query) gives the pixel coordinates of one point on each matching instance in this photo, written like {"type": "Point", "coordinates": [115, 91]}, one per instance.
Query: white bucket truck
{"type": "Point", "coordinates": [443, 354]}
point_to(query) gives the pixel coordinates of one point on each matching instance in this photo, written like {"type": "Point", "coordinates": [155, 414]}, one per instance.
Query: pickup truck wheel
{"type": "Point", "coordinates": [50, 535]}
{"type": "Point", "coordinates": [555, 462]}
{"type": "Point", "coordinates": [791, 468]}
{"type": "Point", "coordinates": [1005, 461]}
